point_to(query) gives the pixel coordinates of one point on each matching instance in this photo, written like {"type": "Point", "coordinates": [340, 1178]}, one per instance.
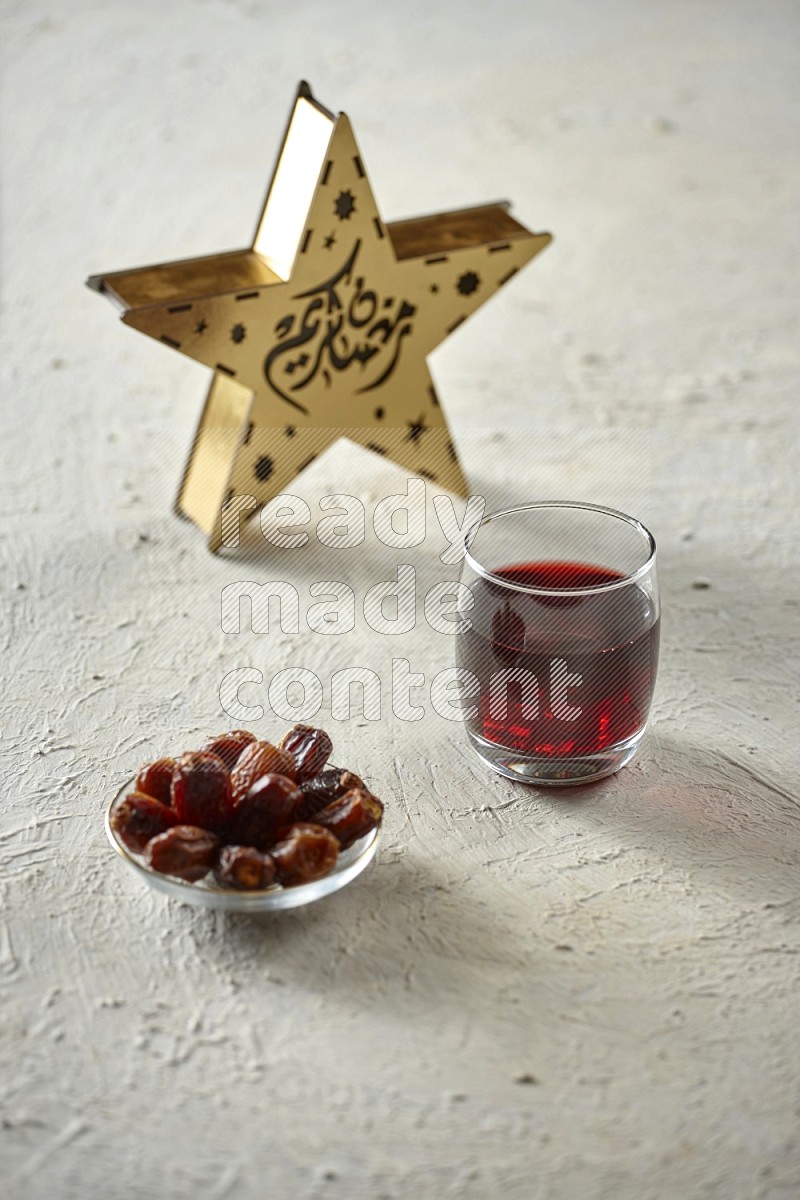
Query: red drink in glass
{"type": "Point", "coordinates": [564, 654]}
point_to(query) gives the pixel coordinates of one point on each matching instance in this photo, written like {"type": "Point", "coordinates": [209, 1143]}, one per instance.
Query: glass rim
{"type": "Point", "coordinates": [628, 579]}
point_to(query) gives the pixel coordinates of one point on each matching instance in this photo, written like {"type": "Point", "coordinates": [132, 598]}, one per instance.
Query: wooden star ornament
{"type": "Point", "coordinates": [320, 329]}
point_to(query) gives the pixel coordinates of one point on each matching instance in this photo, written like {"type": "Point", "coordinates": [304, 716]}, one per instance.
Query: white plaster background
{"type": "Point", "coordinates": [633, 949]}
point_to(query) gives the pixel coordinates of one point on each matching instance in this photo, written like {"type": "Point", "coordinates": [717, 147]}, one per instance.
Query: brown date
{"type": "Point", "coordinates": [246, 868]}
{"type": "Point", "coordinates": [267, 808]}
{"type": "Point", "coordinates": [229, 746]}
{"type": "Point", "coordinates": [329, 785]}
{"type": "Point", "coordinates": [307, 852]}
{"type": "Point", "coordinates": [156, 779]}
{"type": "Point", "coordinates": [185, 851]}
{"type": "Point", "coordinates": [351, 816]}
{"type": "Point", "coordinates": [201, 790]}
{"type": "Point", "coordinates": [257, 759]}
{"type": "Point", "coordinates": [138, 818]}
{"type": "Point", "coordinates": [309, 748]}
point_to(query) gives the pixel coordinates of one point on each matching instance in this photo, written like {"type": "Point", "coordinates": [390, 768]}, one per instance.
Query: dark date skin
{"type": "Point", "coordinates": [156, 780]}
{"type": "Point", "coordinates": [324, 788]}
{"type": "Point", "coordinates": [307, 852]}
{"type": "Point", "coordinates": [269, 806]}
{"type": "Point", "coordinates": [254, 813]}
{"type": "Point", "coordinates": [310, 748]}
{"type": "Point", "coordinates": [184, 851]}
{"type": "Point", "coordinates": [138, 818]}
{"type": "Point", "coordinates": [351, 816]}
{"type": "Point", "coordinates": [229, 746]}
{"type": "Point", "coordinates": [244, 868]}
{"type": "Point", "coordinates": [259, 759]}
{"type": "Point", "coordinates": [201, 791]}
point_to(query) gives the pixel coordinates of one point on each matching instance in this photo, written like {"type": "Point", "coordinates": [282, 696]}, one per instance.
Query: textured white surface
{"type": "Point", "coordinates": [528, 995]}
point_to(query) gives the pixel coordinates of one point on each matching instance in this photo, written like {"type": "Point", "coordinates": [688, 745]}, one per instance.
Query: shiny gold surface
{"type": "Point", "coordinates": [204, 485]}
{"type": "Point", "coordinates": [321, 329]}
{"type": "Point", "coordinates": [188, 279]}
{"type": "Point", "coordinates": [296, 173]}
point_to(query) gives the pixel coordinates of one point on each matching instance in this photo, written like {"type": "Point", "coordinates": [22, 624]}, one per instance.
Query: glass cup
{"type": "Point", "coordinates": [558, 634]}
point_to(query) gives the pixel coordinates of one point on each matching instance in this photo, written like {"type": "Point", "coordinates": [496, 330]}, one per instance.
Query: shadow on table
{"type": "Point", "coordinates": [417, 931]}
{"type": "Point", "coordinates": [714, 813]}
{"type": "Point", "coordinates": [408, 925]}
{"type": "Point", "coordinates": [724, 819]}
{"type": "Point", "coordinates": [705, 789]}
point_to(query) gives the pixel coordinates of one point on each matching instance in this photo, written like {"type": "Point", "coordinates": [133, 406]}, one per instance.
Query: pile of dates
{"type": "Point", "coordinates": [253, 813]}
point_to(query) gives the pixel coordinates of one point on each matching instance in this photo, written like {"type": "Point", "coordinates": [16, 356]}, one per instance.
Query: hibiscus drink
{"type": "Point", "coordinates": [560, 659]}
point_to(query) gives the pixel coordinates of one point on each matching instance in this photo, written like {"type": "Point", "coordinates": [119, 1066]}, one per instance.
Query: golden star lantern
{"type": "Point", "coordinates": [320, 329]}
